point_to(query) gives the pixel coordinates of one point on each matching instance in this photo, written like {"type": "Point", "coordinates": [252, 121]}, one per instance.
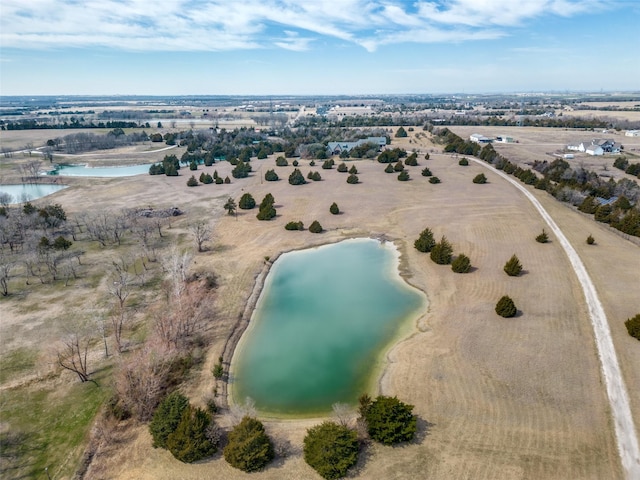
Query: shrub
{"type": "Point", "coordinates": [241, 170]}
{"type": "Point", "coordinates": [334, 208]}
{"type": "Point", "coordinates": [315, 227]}
{"type": "Point", "coordinates": [342, 168]}
{"type": "Point", "coordinates": [590, 240]}
{"type": "Point", "coordinates": [513, 268]}
{"type": "Point", "coordinates": [353, 170]}
{"type": "Point", "coordinates": [633, 326]}
{"type": "Point", "coordinates": [389, 168]}
{"type": "Point", "coordinates": [192, 182]}
{"type": "Point", "coordinates": [218, 370]}
{"type": "Point", "coordinates": [412, 160]}
{"type": "Point", "coordinates": [389, 420]}
{"type": "Point", "coordinates": [226, 180]}
{"type": "Point", "coordinates": [206, 178]}
{"type": "Point", "coordinates": [249, 448]}
{"type": "Point", "coordinates": [434, 180]}
{"type": "Point", "coordinates": [401, 133]}
{"type": "Point", "coordinates": [193, 165]}
{"type": "Point", "coordinates": [330, 449]}
{"type": "Point", "coordinates": [61, 243]}
{"type": "Point", "coordinates": [442, 252]}
{"type": "Point", "coordinates": [462, 264]}
{"type": "Point", "coordinates": [425, 241]}
{"type": "Point", "coordinates": [463, 161]}
{"type": "Point", "coordinates": [352, 179]}
{"type": "Point", "coordinates": [295, 163]}
{"type": "Point", "coordinates": [403, 176]}
{"type": "Point", "coordinates": [480, 178]}
{"type": "Point", "coordinates": [543, 237]}
{"type": "Point", "coordinates": [315, 176]}
{"type": "Point", "coordinates": [426, 172]}
{"type": "Point", "coordinates": [506, 308]}
{"type": "Point", "coordinates": [588, 205]}
{"type": "Point", "coordinates": [312, 163]}
{"type": "Point", "coordinates": [296, 178]}
{"type": "Point", "coordinates": [246, 202]}
{"type": "Point", "coordinates": [271, 176]}
{"type": "Point", "coordinates": [399, 166]}
{"type": "Point", "coordinates": [281, 162]}
{"type": "Point", "coordinates": [328, 164]}
{"type": "Point", "coordinates": [266, 210]}
{"type": "Point", "coordinates": [294, 226]}
{"type": "Point", "coordinates": [189, 442]}
{"type": "Point", "coordinates": [167, 417]}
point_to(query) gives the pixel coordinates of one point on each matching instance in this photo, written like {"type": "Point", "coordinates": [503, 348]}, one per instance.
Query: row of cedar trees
{"type": "Point", "coordinates": [331, 448]}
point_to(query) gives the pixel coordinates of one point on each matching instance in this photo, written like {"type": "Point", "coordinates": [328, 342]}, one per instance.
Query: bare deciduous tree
{"type": "Point", "coordinates": [201, 232]}
{"type": "Point", "coordinates": [5, 275]}
{"type": "Point", "coordinates": [120, 288]}
{"type": "Point", "coordinates": [72, 355]}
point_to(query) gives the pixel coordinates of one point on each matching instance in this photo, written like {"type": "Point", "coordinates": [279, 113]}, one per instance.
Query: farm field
{"type": "Point", "coordinates": [497, 398]}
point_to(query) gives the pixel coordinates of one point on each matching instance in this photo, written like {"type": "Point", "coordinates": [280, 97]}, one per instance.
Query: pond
{"type": "Point", "coordinates": [25, 192]}
{"type": "Point", "coordinates": [321, 328]}
{"type": "Point", "coordinates": [86, 171]}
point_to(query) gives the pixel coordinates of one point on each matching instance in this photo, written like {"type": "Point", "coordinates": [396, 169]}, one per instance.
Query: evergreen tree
{"type": "Point", "coordinates": [506, 308]}
{"type": "Point", "coordinates": [590, 240]}
{"type": "Point", "coordinates": [352, 179]}
{"type": "Point", "coordinates": [480, 179]}
{"type": "Point", "coordinates": [633, 326]}
{"type": "Point", "coordinates": [296, 178]}
{"type": "Point", "coordinates": [334, 208]}
{"type": "Point", "coordinates": [271, 176]}
{"type": "Point", "coordinates": [167, 417]}
{"type": "Point", "coordinates": [543, 237]}
{"type": "Point", "coordinates": [342, 168]}
{"type": "Point", "coordinates": [425, 241]}
{"type": "Point", "coordinates": [249, 448]}
{"type": "Point", "coordinates": [399, 166]}
{"type": "Point", "coordinates": [281, 161]}
{"type": "Point", "coordinates": [189, 442]}
{"type": "Point", "coordinates": [294, 226]}
{"type": "Point", "coordinates": [331, 449]}
{"type": "Point", "coordinates": [246, 202]}
{"type": "Point", "coordinates": [401, 133]}
{"type": "Point", "coordinates": [389, 168]}
{"type": "Point", "coordinates": [389, 420]}
{"type": "Point", "coordinates": [513, 268]}
{"type": "Point", "coordinates": [426, 172]}
{"type": "Point", "coordinates": [192, 182]}
{"type": "Point", "coordinates": [461, 264]}
{"type": "Point", "coordinates": [463, 161]}
{"type": "Point", "coordinates": [353, 170]}
{"type": "Point", "coordinates": [589, 205]}
{"type": "Point", "coordinates": [403, 176]}
{"type": "Point", "coordinates": [442, 252]}
{"type": "Point", "coordinates": [315, 227]}
{"type": "Point", "coordinates": [434, 180]}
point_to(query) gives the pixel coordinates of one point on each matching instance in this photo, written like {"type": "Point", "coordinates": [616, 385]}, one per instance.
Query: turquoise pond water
{"type": "Point", "coordinates": [85, 171]}
{"type": "Point", "coordinates": [322, 323]}
{"type": "Point", "coordinates": [25, 192]}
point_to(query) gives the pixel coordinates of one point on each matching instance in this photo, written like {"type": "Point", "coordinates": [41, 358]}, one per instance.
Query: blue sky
{"type": "Point", "coordinates": [299, 47]}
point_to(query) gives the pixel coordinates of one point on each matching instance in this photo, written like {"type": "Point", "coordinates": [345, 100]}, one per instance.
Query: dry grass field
{"type": "Point", "coordinates": [519, 398]}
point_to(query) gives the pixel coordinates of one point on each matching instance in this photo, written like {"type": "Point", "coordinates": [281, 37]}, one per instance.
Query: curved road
{"type": "Point", "coordinates": [618, 397]}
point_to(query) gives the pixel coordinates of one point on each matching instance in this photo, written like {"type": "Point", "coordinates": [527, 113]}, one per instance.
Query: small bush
{"type": "Point", "coordinates": [633, 326]}
{"type": "Point", "coordinates": [434, 180]}
{"type": "Point", "coordinates": [249, 448]}
{"type": "Point", "coordinates": [463, 161]}
{"type": "Point", "coordinates": [334, 208]}
{"type": "Point", "coordinates": [296, 178]}
{"type": "Point", "coordinates": [352, 179]}
{"type": "Point", "coordinates": [404, 176]}
{"type": "Point", "coordinates": [426, 172]}
{"type": "Point", "coordinates": [295, 163]}
{"type": "Point", "coordinates": [342, 168]}
{"type": "Point", "coordinates": [271, 176]}
{"type": "Point", "coordinates": [399, 166]}
{"type": "Point", "coordinates": [246, 202]}
{"type": "Point", "coordinates": [590, 240]}
{"type": "Point", "coordinates": [513, 267]}
{"type": "Point", "coordinates": [389, 168]}
{"type": "Point", "coordinates": [328, 164]}
{"type": "Point", "coordinates": [389, 420]}
{"type": "Point", "coordinates": [294, 226]}
{"type": "Point", "coordinates": [480, 178]}
{"type": "Point", "coordinates": [543, 237]}
{"type": "Point", "coordinates": [462, 264]}
{"type": "Point", "coordinates": [192, 182]}
{"type": "Point", "coordinates": [315, 227]}
{"type": "Point", "coordinates": [506, 308]}
{"type": "Point", "coordinates": [331, 449]}
{"type": "Point", "coordinates": [281, 162]}
{"type": "Point", "coordinates": [218, 370]}
{"type": "Point", "coordinates": [353, 170]}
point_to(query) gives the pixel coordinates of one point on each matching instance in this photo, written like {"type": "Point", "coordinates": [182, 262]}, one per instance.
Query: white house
{"type": "Point", "coordinates": [594, 150]}
{"type": "Point", "coordinates": [478, 138]}
{"type": "Point", "coordinates": [632, 133]}
{"type": "Point", "coordinates": [577, 147]}
{"type": "Point", "coordinates": [504, 139]}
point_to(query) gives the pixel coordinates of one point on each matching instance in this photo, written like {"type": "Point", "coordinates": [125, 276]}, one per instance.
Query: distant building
{"type": "Point", "coordinates": [632, 133]}
{"type": "Point", "coordinates": [477, 138]}
{"type": "Point", "coordinates": [568, 156]}
{"type": "Point", "coordinates": [504, 139]}
{"type": "Point", "coordinates": [336, 148]}
{"type": "Point", "coordinates": [577, 147]}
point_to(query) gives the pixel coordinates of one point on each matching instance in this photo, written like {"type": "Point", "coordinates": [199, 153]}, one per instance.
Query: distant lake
{"type": "Point", "coordinates": [25, 192]}
{"type": "Point", "coordinates": [322, 324]}
{"type": "Point", "coordinates": [85, 171]}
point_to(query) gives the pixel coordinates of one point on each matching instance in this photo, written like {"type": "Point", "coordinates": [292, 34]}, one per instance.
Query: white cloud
{"type": "Point", "coordinates": [210, 25]}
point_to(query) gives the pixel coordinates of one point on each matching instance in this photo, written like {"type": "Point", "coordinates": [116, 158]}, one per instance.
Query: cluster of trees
{"type": "Point", "coordinates": [296, 177]}
{"type": "Point", "coordinates": [332, 448]}
{"type": "Point", "coordinates": [266, 211]}
{"type": "Point", "coordinates": [623, 164]}
{"type": "Point", "coordinates": [392, 155]}
{"type": "Point", "coordinates": [67, 123]}
{"type": "Point", "coordinates": [441, 252]}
